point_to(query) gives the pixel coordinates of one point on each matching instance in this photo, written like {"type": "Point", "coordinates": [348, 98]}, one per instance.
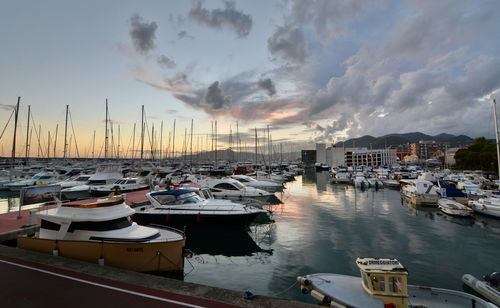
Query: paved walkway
{"type": "Point", "coordinates": [30, 284]}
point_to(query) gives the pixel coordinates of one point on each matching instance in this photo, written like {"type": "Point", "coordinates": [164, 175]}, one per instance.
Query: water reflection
{"type": "Point", "coordinates": [224, 243]}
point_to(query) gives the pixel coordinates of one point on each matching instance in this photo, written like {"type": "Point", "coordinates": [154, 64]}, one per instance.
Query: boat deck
{"type": "Point", "coordinates": [14, 224]}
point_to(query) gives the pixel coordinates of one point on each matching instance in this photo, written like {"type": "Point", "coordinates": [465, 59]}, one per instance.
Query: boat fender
{"type": "Point", "coordinates": [248, 295]}
{"type": "Point", "coordinates": [100, 261]}
{"type": "Point", "coordinates": [320, 297]}
{"type": "Point", "coordinates": [305, 290]}
{"type": "Point", "coordinates": [306, 282]}
{"type": "Point", "coordinates": [55, 252]}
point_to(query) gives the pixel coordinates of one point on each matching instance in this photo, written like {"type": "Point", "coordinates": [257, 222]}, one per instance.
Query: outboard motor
{"type": "Point", "coordinates": [493, 279]}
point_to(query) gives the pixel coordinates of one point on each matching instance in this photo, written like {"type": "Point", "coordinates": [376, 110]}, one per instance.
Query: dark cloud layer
{"type": "Point", "coordinates": [165, 62]}
{"type": "Point", "coordinates": [237, 21]}
{"type": "Point", "coordinates": [288, 43]}
{"type": "Point", "coordinates": [267, 85]}
{"type": "Point", "coordinates": [142, 34]}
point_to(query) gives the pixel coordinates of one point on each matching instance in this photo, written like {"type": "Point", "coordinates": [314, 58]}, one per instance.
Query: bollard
{"type": "Point", "coordinates": [32, 217]}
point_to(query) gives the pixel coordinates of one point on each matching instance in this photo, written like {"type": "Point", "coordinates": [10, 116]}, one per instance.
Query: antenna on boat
{"type": "Point", "coordinates": [106, 132]}
{"type": "Point", "coordinates": [142, 133]}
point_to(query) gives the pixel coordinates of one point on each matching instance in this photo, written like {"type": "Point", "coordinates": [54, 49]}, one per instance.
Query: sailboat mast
{"type": "Point", "coordinates": [66, 131]}
{"type": "Point", "coordinates": [142, 133]}
{"type": "Point", "coordinates": [161, 142]}
{"type": "Point", "coordinates": [191, 146]}
{"type": "Point", "coordinates": [256, 145]}
{"type": "Point", "coordinates": [173, 143]}
{"type": "Point", "coordinates": [93, 145]}
{"type": "Point", "coordinates": [496, 135]}
{"type": "Point", "coordinates": [55, 140]}
{"type": "Point", "coordinates": [15, 132]}
{"type": "Point", "coordinates": [106, 137]}
{"type": "Point", "coordinates": [27, 137]}
{"type": "Point", "coordinates": [133, 143]}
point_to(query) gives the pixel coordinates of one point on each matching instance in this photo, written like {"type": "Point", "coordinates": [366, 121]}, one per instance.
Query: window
{"type": "Point", "coordinates": [97, 182]}
{"type": "Point", "coordinates": [164, 199]}
{"type": "Point", "coordinates": [131, 182]}
{"type": "Point", "coordinates": [108, 225]}
{"type": "Point", "coordinates": [242, 180]}
{"type": "Point", "coordinates": [50, 225]}
{"type": "Point", "coordinates": [378, 283]}
{"type": "Point", "coordinates": [226, 186]}
{"type": "Point", "coordinates": [395, 284]}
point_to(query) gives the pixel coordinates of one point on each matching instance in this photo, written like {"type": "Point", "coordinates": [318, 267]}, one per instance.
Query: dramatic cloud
{"type": "Point", "coordinates": [215, 98]}
{"type": "Point", "coordinates": [217, 19]}
{"type": "Point", "coordinates": [142, 34]}
{"type": "Point", "coordinates": [267, 85]}
{"type": "Point", "coordinates": [289, 44]}
{"type": "Point", "coordinates": [165, 62]}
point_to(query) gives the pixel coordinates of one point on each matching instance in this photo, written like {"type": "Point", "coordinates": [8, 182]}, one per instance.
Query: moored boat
{"type": "Point", "coordinates": [184, 209]}
{"type": "Point", "coordinates": [487, 206]}
{"type": "Point", "coordinates": [383, 284]}
{"type": "Point", "coordinates": [454, 208]}
{"type": "Point", "coordinates": [489, 287]}
{"type": "Point", "coordinates": [101, 232]}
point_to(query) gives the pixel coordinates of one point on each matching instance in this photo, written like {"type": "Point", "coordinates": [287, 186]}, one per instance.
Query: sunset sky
{"type": "Point", "coordinates": [314, 71]}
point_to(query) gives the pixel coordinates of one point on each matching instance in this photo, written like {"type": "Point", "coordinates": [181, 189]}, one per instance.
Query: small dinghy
{"type": "Point", "coordinates": [452, 207]}
{"type": "Point", "coordinates": [383, 284]}
{"type": "Point", "coordinates": [489, 287]}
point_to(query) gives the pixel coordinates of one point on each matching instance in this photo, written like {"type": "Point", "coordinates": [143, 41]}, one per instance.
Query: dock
{"type": "Point", "coordinates": [82, 284]}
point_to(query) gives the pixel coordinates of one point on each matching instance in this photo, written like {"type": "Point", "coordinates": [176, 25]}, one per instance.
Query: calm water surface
{"type": "Point", "coordinates": [322, 227]}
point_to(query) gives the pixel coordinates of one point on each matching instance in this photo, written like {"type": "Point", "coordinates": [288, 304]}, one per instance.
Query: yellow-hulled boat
{"type": "Point", "coordinates": [102, 232]}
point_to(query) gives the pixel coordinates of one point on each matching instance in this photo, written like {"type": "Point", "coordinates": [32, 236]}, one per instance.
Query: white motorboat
{"type": "Point", "coordinates": [383, 284]}
{"type": "Point", "coordinates": [487, 206]}
{"type": "Point", "coordinates": [184, 209]}
{"type": "Point", "coordinates": [265, 185]}
{"type": "Point", "coordinates": [489, 287]}
{"type": "Point", "coordinates": [78, 180]}
{"type": "Point", "coordinates": [454, 208]}
{"type": "Point", "coordinates": [342, 178]}
{"type": "Point", "coordinates": [420, 192]}
{"type": "Point", "coordinates": [360, 181]}
{"type": "Point", "coordinates": [124, 185]}
{"type": "Point", "coordinates": [228, 188]}
{"type": "Point", "coordinates": [40, 178]}
{"type": "Point", "coordinates": [375, 182]}
{"type": "Point", "coordinates": [102, 177]}
{"type": "Point", "coordinates": [101, 232]}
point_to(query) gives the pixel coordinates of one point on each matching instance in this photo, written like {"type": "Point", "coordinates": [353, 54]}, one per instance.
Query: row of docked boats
{"type": "Point", "coordinates": [152, 235]}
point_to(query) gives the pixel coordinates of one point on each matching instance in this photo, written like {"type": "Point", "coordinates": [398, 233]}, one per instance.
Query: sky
{"type": "Point", "coordinates": [313, 71]}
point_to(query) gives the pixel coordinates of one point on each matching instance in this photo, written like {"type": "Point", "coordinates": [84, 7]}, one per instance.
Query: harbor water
{"type": "Point", "coordinates": [321, 227]}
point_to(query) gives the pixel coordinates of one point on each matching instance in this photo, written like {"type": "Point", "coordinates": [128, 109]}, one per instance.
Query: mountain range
{"type": "Point", "coordinates": [398, 139]}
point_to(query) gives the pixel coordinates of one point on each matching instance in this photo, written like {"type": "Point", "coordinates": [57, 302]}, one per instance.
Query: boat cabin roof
{"type": "Point", "coordinates": [380, 265]}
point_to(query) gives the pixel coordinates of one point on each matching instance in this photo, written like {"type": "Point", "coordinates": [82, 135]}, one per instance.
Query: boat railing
{"type": "Point", "coordinates": [163, 227]}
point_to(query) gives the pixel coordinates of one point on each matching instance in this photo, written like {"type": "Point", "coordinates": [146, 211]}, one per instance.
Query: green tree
{"type": "Point", "coordinates": [481, 155]}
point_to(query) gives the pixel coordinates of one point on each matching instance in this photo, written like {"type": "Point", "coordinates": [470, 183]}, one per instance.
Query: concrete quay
{"type": "Point", "coordinates": [41, 280]}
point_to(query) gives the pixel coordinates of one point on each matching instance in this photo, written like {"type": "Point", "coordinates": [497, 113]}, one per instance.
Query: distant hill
{"type": "Point", "coordinates": [397, 139]}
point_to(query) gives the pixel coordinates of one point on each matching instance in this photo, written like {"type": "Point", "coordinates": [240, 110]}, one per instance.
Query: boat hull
{"type": "Point", "coordinates": [346, 291]}
{"type": "Point", "coordinates": [482, 288]}
{"type": "Point", "coordinates": [197, 222]}
{"type": "Point", "coordinates": [140, 257]}
{"type": "Point", "coordinates": [102, 193]}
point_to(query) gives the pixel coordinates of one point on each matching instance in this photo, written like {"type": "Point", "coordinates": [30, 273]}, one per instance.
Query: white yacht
{"type": "Point", "coordinates": [124, 185]}
{"type": "Point", "coordinates": [102, 177]}
{"type": "Point", "coordinates": [186, 210]}
{"type": "Point", "coordinates": [487, 206]}
{"type": "Point", "coordinates": [420, 192]}
{"type": "Point", "coordinates": [265, 185]}
{"type": "Point", "coordinates": [383, 284]}
{"type": "Point", "coordinates": [37, 179]}
{"type": "Point", "coordinates": [228, 188]}
{"type": "Point", "coordinates": [77, 180]}
{"type": "Point", "coordinates": [101, 232]}
{"type": "Point", "coordinates": [360, 181]}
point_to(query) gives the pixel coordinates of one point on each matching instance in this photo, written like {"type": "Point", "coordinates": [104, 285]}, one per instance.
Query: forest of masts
{"type": "Point", "coordinates": [145, 142]}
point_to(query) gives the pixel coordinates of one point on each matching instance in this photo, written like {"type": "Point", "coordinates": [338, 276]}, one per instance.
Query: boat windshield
{"type": "Point", "coordinates": [239, 185]}
{"type": "Point", "coordinates": [182, 199]}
